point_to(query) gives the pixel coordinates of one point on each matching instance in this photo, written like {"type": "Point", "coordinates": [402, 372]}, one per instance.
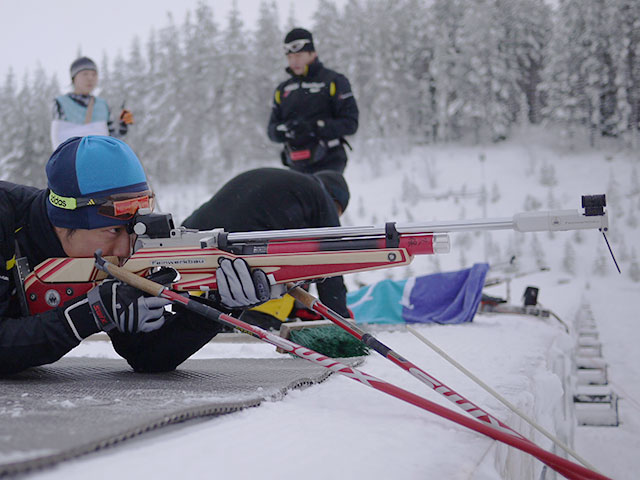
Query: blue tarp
{"type": "Point", "coordinates": [449, 297]}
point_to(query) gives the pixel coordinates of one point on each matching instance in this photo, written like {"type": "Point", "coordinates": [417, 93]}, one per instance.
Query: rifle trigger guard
{"type": "Point", "coordinates": [391, 235]}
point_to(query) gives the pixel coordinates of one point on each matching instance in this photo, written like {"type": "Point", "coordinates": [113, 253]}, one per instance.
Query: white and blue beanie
{"type": "Point", "coordinates": [93, 166]}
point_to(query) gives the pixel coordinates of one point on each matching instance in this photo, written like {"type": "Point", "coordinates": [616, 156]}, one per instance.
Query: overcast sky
{"type": "Point", "coordinates": [50, 32]}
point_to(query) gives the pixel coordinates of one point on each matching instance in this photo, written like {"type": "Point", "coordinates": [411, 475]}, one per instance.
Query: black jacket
{"type": "Point", "coordinates": [274, 199]}
{"type": "Point", "coordinates": [32, 340]}
{"type": "Point", "coordinates": [319, 95]}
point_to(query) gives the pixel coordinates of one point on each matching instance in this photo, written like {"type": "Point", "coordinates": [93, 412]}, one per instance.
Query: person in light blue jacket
{"type": "Point", "coordinates": [80, 113]}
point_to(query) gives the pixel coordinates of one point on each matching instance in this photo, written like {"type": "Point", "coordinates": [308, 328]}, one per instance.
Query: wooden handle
{"type": "Point", "coordinates": [141, 283]}
{"type": "Point", "coordinates": [301, 295]}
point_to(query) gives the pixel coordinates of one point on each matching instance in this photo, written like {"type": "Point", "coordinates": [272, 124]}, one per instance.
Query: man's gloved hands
{"type": "Point", "coordinates": [299, 129]}
{"type": "Point", "coordinates": [297, 132]}
{"type": "Point", "coordinates": [117, 305]}
{"type": "Point", "coordinates": [238, 287]}
{"type": "Point", "coordinates": [126, 117]}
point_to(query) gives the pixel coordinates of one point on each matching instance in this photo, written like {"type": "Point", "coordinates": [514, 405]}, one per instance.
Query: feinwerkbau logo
{"type": "Point", "coordinates": [180, 261]}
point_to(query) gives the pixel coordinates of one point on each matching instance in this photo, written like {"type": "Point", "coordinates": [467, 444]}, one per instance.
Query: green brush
{"type": "Point", "coordinates": [324, 337]}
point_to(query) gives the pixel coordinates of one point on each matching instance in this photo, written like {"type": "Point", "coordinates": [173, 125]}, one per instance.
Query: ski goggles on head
{"type": "Point", "coordinates": [296, 45]}
{"type": "Point", "coordinates": [121, 206]}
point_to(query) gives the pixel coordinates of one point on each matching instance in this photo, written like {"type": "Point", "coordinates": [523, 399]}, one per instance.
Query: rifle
{"type": "Point", "coordinates": [286, 256]}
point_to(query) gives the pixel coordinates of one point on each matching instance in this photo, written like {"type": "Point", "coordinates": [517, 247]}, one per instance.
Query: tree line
{"type": "Point", "coordinates": [422, 72]}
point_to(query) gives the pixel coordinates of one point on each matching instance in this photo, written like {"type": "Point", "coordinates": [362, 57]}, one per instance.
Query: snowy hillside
{"type": "Point", "coordinates": [343, 430]}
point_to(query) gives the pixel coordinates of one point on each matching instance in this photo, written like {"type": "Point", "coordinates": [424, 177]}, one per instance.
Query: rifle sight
{"type": "Point", "coordinates": [153, 225]}
{"type": "Point", "coordinates": [594, 205]}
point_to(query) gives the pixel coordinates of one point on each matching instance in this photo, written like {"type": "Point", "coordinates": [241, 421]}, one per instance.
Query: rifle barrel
{"type": "Point", "coordinates": [372, 231]}
{"type": "Point", "coordinates": [552, 220]}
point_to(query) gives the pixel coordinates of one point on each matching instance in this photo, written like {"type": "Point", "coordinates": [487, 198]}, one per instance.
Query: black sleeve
{"type": "Point", "coordinates": [122, 130]}
{"type": "Point", "coordinates": [274, 120]}
{"type": "Point", "coordinates": [344, 110]}
{"type": "Point", "coordinates": [164, 349]}
{"type": "Point", "coordinates": [56, 112]}
{"type": "Point", "coordinates": [25, 341]}
{"type": "Point", "coordinates": [35, 340]}
{"type": "Point", "coordinates": [333, 293]}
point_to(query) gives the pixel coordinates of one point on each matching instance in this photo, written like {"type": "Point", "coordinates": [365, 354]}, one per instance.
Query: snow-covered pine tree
{"type": "Point", "coordinates": [329, 37]}
{"type": "Point", "coordinates": [538, 252]}
{"type": "Point", "coordinates": [488, 89]}
{"type": "Point", "coordinates": [531, 203]}
{"type": "Point", "coordinates": [600, 263]}
{"type": "Point", "coordinates": [29, 143]}
{"type": "Point", "coordinates": [292, 18]}
{"type": "Point", "coordinates": [548, 175]}
{"type": "Point", "coordinates": [634, 181]}
{"type": "Point", "coordinates": [495, 193]}
{"type": "Point", "coordinates": [8, 128]}
{"type": "Point", "coordinates": [529, 30]}
{"type": "Point", "coordinates": [235, 124]}
{"type": "Point", "coordinates": [203, 60]}
{"type": "Point", "coordinates": [625, 39]}
{"type": "Point", "coordinates": [614, 195]}
{"type": "Point", "coordinates": [632, 217]}
{"type": "Point", "coordinates": [410, 190]}
{"type": "Point", "coordinates": [581, 73]}
{"type": "Point", "coordinates": [268, 63]}
{"type": "Point", "coordinates": [569, 258]}
{"type": "Point", "coordinates": [167, 107]}
{"type": "Point", "coordinates": [634, 267]}
{"type": "Point", "coordinates": [445, 68]}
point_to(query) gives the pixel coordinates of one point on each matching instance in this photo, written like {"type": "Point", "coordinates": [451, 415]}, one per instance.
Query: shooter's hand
{"type": "Point", "coordinates": [238, 287]}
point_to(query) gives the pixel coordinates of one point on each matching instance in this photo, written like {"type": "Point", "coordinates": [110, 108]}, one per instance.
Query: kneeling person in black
{"type": "Point", "coordinates": [277, 199]}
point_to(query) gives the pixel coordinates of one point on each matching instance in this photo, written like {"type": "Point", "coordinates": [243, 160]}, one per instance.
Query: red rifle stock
{"type": "Point", "coordinates": [284, 255]}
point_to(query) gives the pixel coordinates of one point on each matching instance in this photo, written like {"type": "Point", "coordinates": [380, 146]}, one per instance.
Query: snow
{"type": "Point", "coordinates": [341, 429]}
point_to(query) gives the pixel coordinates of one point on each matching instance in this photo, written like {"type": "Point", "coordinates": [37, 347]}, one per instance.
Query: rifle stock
{"type": "Point", "coordinates": [284, 255]}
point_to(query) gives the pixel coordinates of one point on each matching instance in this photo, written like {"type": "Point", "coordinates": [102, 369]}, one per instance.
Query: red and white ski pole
{"type": "Point", "coordinates": [370, 341]}
{"type": "Point", "coordinates": [563, 466]}
{"type": "Point", "coordinates": [475, 411]}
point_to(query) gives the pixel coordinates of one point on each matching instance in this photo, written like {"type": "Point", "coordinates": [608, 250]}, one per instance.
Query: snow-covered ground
{"type": "Point", "coordinates": [341, 429]}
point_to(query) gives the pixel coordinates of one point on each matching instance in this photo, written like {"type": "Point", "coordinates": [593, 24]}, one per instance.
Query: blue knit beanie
{"type": "Point", "coordinates": [95, 166]}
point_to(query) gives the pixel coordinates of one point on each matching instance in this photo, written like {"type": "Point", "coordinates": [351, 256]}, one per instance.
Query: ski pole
{"type": "Point", "coordinates": [370, 341]}
{"type": "Point", "coordinates": [317, 306]}
{"type": "Point", "coordinates": [561, 465]}
{"type": "Point", "coordinates": [501, 399]}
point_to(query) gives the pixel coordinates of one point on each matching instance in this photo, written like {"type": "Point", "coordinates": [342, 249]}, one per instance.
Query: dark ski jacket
{"type": "Point", "coordinates": [321, 95]}
{"type": "Point", "coordinates": [274, 199]}
{"type": "Point", "coordinates": [32, 340]}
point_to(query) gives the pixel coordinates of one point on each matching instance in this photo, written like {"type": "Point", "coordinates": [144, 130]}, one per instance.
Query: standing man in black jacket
{"type": "Point", "coordinates": [278, 199]}
{"type": "Point", "coordinates": [96, 186]}
{"type": "Point", "coordinates": [312, 111]}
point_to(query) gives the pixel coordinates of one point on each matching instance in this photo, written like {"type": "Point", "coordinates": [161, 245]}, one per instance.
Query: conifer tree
{"type": "Point", "coordinates": [268, 63]}
{"type": "Point", "coordinates": [569, 258]}
{"type": "Point", "coordinates": [634, 267]}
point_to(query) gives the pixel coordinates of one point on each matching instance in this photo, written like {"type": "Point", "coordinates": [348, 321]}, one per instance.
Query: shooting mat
{"type": "Point", "coordinates": [78, 405]}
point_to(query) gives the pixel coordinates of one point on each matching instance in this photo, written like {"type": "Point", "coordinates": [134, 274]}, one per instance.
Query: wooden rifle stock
{"type": "Point", "coordinates": [284, 255]}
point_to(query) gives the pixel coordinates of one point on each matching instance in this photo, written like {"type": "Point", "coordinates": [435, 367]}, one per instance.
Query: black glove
{"type": "Point", "coordinates": [240, 288]}
{"type": "Point", "coordinates": [299, 132]}
{"type": "Point", "coordinates": [118, 305]}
